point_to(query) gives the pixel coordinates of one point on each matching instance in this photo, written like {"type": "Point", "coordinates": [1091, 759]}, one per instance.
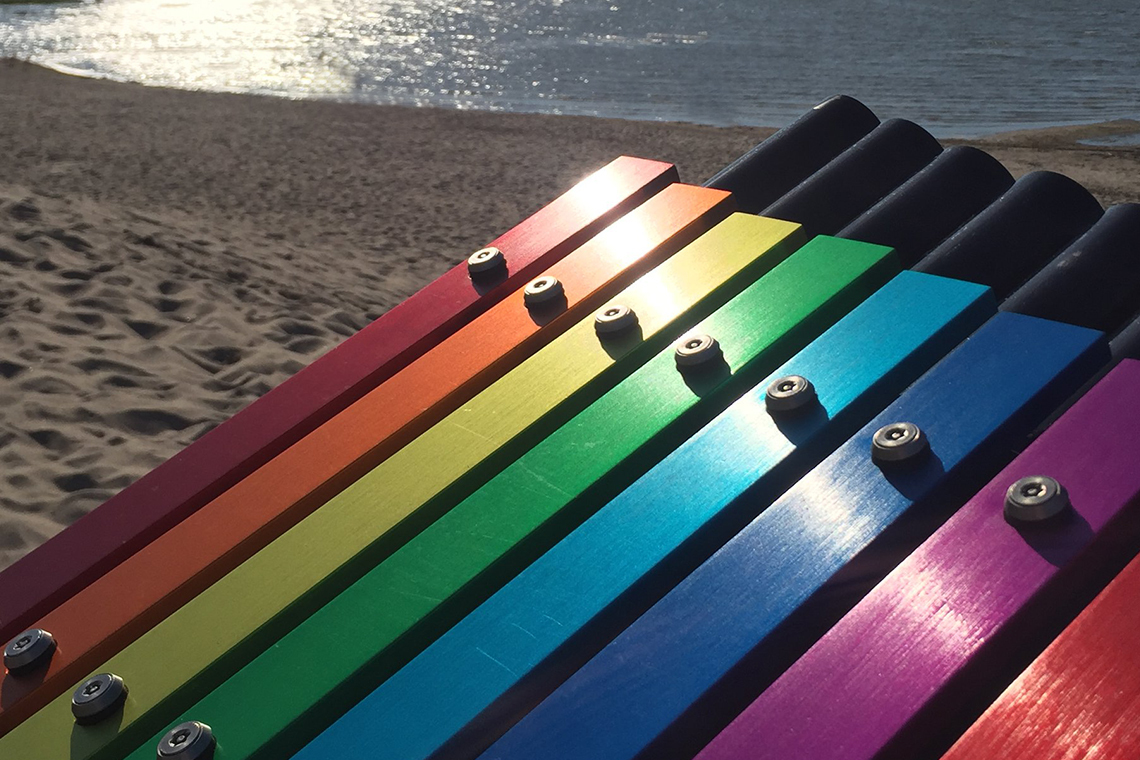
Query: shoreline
{"type": "Point", "coordinates": [1079, 130]}
{"type": "Point", "coordinates": [170, 255]}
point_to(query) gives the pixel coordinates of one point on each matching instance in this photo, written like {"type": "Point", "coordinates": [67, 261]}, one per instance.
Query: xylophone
{"type": "Point", "coordinates": [824, 459]}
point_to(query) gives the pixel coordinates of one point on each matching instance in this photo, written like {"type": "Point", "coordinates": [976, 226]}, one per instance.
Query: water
{"type": "Point", "coordinates": [961, 68]}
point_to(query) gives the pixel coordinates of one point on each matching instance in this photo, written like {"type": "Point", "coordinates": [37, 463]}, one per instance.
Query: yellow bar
{"type": "Point", "coordinates": [178, 661]}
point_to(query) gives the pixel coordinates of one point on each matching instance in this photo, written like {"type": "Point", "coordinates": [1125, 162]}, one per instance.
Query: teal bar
{"type": "Point", "coordinates": [497, 662]}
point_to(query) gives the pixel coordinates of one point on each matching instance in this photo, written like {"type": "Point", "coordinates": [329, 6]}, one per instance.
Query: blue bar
{"type": "Point", "coordinates": [680, 672]}
{"type": "Point", "coordinates": [498, 658]}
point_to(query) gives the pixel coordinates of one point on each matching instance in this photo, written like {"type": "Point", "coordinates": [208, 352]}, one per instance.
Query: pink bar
{"type": "Point", "coordinates": [898, 668]}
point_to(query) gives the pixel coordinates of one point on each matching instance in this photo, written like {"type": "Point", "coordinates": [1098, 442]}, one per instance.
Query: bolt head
{"type": "Point", "coordinates": [542, 290]}
{"type": "Point", "coordinates": [614, 318]}
{"type": "Point", "coordinates": [28, 651]}
{"type": "Point", "coordinates": [789, 393]}
{"type": "Point", "coordinates": [898, 442]}
{"type": "Point", "coordinates": [192, 740]}
{"type": "Point", "coordinates": [1035, 498]}
{"type": "Point", "coordinates": [695, 350]}
{"type": "Point", "coordinates": [485, 260]}
{"type": "Point", "coordinates": [97, 698]}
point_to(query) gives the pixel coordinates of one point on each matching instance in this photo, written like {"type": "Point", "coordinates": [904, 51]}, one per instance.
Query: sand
{"type": "Point", "coordinates": [169, 256]}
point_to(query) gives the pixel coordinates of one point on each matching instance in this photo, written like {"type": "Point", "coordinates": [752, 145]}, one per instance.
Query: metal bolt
{"type": "Point", "coordinates": [1035, 498]}
{"type": "Point", "coordinates": [697, 349]}
{"type": "Point", "coordinates": [897, 442]}
{"type": "Point", "coordinates": [545, 288]}
{"type": "Point", "coordinates": [97, 698]}
{"type": "Point", "coordinates": [28, 651]}
{"type": "Point", "coordinates": [191, 740]}
{"type": "Point", "coordinates": [789, 393]}
{"type": "Point", "coordinates": [614, 318]}
{"type": "Point", "coordinates": [485, 259]}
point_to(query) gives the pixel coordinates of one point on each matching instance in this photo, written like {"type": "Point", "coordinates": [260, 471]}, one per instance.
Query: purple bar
{"type": "Point", "coordinates": [886, 675]}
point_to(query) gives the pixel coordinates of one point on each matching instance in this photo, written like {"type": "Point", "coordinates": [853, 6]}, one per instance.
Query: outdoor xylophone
{"type": "Point", "coordinates": [827, 458]}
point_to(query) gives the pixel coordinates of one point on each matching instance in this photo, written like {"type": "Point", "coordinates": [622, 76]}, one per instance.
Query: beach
{"type": "Point", "coordinates": [169, 256]}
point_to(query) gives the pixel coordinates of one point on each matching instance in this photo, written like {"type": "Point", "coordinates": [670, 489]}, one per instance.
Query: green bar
{"type": "Point", "coordinates": [215, 634]}
{"type": "Point", "coordinates": [411, 598]}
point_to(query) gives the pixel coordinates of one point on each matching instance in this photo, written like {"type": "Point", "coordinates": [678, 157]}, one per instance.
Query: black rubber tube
{"type": "Point", "coordinates": [1095, 282]}
{"type": "Point", "coordinates": [858, 178]}
{"type": "Point", "coordinates": [775, 166]}
{"type": "Point", "coordinates": [1017, 235]}
{"type": "Point", "coordinates": [933, 204]}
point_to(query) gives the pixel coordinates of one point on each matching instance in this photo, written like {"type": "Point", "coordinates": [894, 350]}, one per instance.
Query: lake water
{"type": "Point", "coordinates": [962, 67]}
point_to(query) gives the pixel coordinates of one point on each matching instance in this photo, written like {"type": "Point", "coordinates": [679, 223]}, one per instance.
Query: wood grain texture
{"type": "Point", "coordinates": [902, 663]}
{"type": "Point", "coordinates": [1080, 700]}
{"type": "Point", "coordinates": [82, 553]}
{"type": "Point", "coordinates": [245, 611]}
{"type": "Point", "coordinates": [661, 688]}
{"type": "Point", "coordinates": [408, 600]}
{"type": "Point", "coordinates": [488, 670]}
{"type": "Point", "coordinates": [162, 576]}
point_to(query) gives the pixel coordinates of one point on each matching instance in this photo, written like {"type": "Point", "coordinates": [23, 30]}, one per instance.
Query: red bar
{"type": "Point", "coordinates": [161, 499]}
{"type": "Point", "coordinates": [1080, 698]}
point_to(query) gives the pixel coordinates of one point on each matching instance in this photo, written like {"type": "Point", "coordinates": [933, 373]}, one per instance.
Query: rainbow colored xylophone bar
{"type": "Point", "coordinates": [615, 514]}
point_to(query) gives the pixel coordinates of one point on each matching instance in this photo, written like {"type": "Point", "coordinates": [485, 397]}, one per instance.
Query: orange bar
{"type": "Point", "coordinates": [126, 602]}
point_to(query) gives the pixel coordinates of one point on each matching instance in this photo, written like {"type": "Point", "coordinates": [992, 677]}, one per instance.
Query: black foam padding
{"type": "Point", "coordinates": [1095, 282]}
{"type": "Point", "coordinates": [858, 178]}
{"type": "Point", "coordinates": [1017, 235]}
{"type": "Point", "coordinates": [931, 205]}
{"type": "Point", "coordinates": [771, 169]}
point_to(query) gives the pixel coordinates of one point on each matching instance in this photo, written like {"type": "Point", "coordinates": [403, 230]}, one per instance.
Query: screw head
{"type": "Point", "coordinates": [1035, 498]}
{"type": "Point", "coordinates": [614, 318]}
{"type": "Point", "coordinates": [97, 698]}
{"type": "Point", "coordinates": [696, 349]}
{"type": "Point", "coordinates": [789, 393]}
{"type": "Point", "coordinates": [191, 740]}
{"type": "Point", "coordinates": [898, 442]}
{"type": "Point", "coordinates": [542, 290]}
{"type": "Point", "coordinates": [485, 259]}
{"type": "Point", "coordinates": [28, 651]}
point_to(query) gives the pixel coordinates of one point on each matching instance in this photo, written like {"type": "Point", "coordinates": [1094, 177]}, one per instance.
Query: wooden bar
{"type": "Point", "coordinates": [667, 683]}
{"type": "Point", "coordinates": [161, 577]}
{"type": "Point", "coordinates": [907, 661]}
{"type": "Point", "coordinates": [410, 598]}
{"type": "Point", "coordinates": [210, 637]}
{"type": "Point", "coordinates": [128, 521]}
{"type": "Point", "coordinates": [1080, 698]}
{"type": "Point", "coordinates": [493, 666]}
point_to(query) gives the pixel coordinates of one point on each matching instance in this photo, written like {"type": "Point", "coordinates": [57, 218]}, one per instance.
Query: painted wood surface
{"type": "Point", "coordinates": [410, 598]}
{"type": "Point", "coordinates": [162, 576]}
{"type": "Point", "coordinates": [494, 665]}
{"type": "Point", "coordinates": [244, 612]}
{"type": "Point", "coordinates": [663, 685]}
{"type": "Point", "coordinates": [80, 554]}
{"type": "Point", "coordinates": [1080, 698]}
{"type": "Point", "coordinates": [907, 661]}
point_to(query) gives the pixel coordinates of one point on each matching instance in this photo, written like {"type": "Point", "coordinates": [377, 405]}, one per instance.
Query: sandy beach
{"type": "Point", "coordinates": [169, 256]}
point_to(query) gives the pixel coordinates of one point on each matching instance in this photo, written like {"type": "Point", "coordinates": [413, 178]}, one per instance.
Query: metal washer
{"type": "Point", "coordinates": [898, 442]}
{"type": "Point", "coordinates": [485, 259]}
{"type": "Point", "coordinates": [697, 349]}
{"type": "Point", "coordinates": [614, 318]}
{"type": "Point", "coordinates": [542, 290]}
{"type": "Point", "coordinates": [789, 393]}
{"type": "Point", "coordinates": [1036, 498]}
{"type": "Point", "coordinates": [28, 651]}
{"type": "Point", "coordinates": [97, 698]}
{"type": "Point", "coordinates": [191, 740]}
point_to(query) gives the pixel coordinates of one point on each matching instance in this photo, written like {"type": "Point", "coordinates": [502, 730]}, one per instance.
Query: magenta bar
{"type": "Point", "coordinates": [906, 665]}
